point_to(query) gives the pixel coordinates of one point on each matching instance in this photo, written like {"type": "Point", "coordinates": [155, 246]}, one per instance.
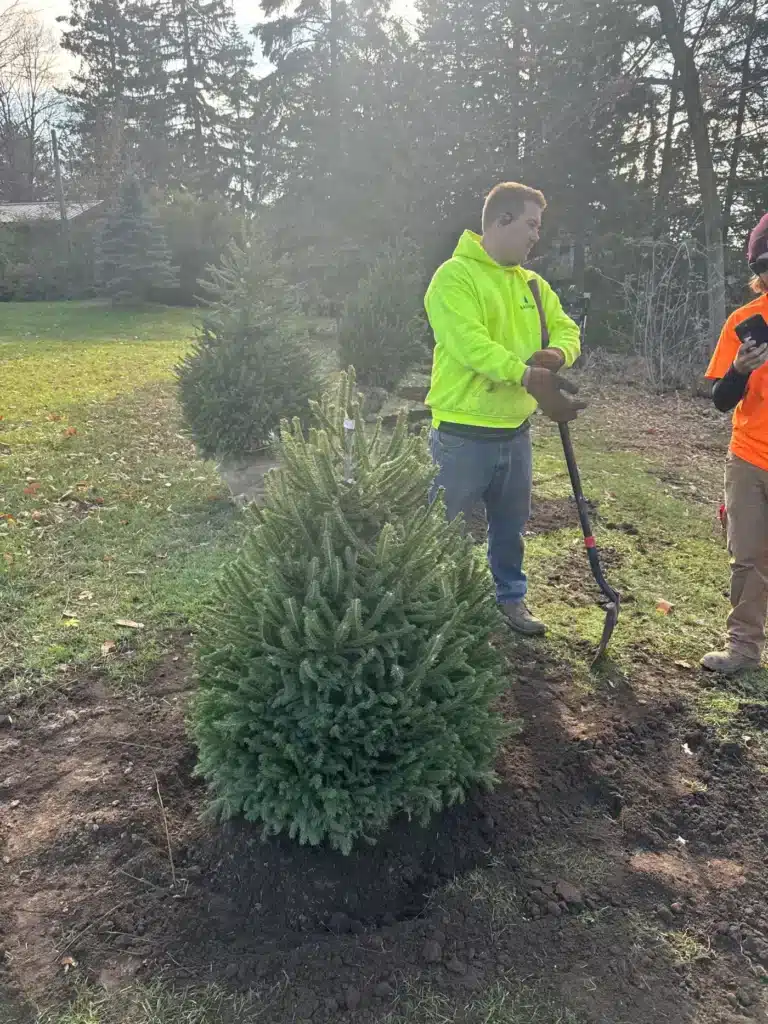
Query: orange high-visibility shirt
{"type": "Point", "coordinates": [749, 440]}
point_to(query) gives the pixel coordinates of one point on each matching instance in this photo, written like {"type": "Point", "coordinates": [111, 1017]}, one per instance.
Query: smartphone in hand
{"type": "Point", "coordinates": [754, 329]}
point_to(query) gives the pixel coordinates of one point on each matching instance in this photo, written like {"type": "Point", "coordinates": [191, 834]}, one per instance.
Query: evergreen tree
{"type": "Point", "coordinates": [251, 366]}
{"type": "Point", "coordinates": [346, 673]}
{"type": "Point", "coordinates": [135, 262]}
{"type": "Point", "coordinates": [247, 286]}
{"type": "Point", "coordinates": [168, 85]}
{"type": "Point", "coordinates": [209, 87]}
{"type": "Point", "coordinates": [382, 330]}
{"type": "Point", "coordinates": [338, 166]}
{"type": "Point", "coordinates": [117, 92]}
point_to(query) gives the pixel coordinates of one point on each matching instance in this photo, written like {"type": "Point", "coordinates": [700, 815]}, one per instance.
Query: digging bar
{"type": "Point", "coordinates": [613, 597]}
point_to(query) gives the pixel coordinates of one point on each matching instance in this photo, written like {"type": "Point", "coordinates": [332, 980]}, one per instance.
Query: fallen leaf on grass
{"type": "Point", "coordinates": [8, 558]}
{"type": "Point", "coordinates": [86, 595]}
{"type": "Point", "coordinates": [32, 489]}
{"type": "Point", "coordinates": [69, 432]}
{"type": "Point", "coordinates": [664, 607]}
{"type": "Point", "coordinates": [107, 647]}
{"type": "Point", "coordinates": [54, 417]}
{"type": "Point", "coordinates": [68, 963]}
{"type": "Point", "coordinates": [684, 664]}
{"type": "Point", "coordinates": [67, 614]}
{"type": "Point", "coordinates": [129, 624]}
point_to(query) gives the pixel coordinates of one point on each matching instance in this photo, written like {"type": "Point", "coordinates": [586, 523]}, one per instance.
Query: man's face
{"type": "Point", "coordinates": [512, 240]}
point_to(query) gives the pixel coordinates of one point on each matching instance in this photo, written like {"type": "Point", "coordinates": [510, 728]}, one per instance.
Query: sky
{"type": "Point", "coordinates": [50, 9]}
{"type": "Point", "coordinates": [244, 9]}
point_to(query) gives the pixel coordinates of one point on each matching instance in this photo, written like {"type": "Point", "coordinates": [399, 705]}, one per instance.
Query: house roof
{"type": "Point", "coordinates": [18, 213]}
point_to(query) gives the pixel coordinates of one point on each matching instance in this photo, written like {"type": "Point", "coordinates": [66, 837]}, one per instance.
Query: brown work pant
{"type": "Point", "coordinates": [746, 501]}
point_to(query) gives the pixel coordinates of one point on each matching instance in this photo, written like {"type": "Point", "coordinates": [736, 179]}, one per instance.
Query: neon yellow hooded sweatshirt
{"type": "Point", "coordinates": [486, 328]}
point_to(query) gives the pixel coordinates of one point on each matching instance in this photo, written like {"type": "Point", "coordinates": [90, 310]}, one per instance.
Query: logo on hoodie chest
{"type": "Point", "coordinates": [508, 312]}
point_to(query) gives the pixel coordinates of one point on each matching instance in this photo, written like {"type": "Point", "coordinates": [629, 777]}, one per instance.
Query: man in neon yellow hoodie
{"type": "Point", "coordinates": [489, 374]}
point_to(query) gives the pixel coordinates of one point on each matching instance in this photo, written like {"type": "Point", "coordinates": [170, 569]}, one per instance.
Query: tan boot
{"type": "Point", "coordinates": [728, 662]}
{"type": "Point", "coordinates": [520, 619]}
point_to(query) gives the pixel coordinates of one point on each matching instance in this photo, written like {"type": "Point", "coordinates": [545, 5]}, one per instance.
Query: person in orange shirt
{"type": "Point", "coordinates": [740, 372]}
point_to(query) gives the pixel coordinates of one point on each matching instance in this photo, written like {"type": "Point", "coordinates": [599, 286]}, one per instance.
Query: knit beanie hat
{"type": "Point", "coordinates": [758, 241]}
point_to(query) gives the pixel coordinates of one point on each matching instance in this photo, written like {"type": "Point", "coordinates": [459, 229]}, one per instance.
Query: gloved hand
{"type": "Point", "coordinates": [550, 358]}
{"type": "Point", "coordinates": [547, 388]}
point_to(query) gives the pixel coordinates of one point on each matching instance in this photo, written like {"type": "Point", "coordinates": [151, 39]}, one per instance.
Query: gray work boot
{"type": "Point", "coordinates": [728, 662]}
{"type": "Point", "coordinates": [520, 619]}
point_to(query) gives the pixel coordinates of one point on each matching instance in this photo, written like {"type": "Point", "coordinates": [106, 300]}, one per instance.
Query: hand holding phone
{"type": "Point", "coordinates": [753, 353]}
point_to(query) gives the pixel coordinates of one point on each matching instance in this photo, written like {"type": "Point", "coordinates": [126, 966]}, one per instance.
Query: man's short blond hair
{"type": "Point", "coordinates": [510, 197]}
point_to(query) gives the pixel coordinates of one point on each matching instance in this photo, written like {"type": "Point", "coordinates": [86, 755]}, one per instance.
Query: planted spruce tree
{"type": "Point", "coordinates": [250, 367]}
{"type": "Point", "coordinates": [383, 330]}
{"type": "Point", "coordinates": [346, 673]}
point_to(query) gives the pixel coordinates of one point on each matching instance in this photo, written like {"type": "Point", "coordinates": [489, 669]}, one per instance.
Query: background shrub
{"type": "Point", "coordinates": [383, 330]}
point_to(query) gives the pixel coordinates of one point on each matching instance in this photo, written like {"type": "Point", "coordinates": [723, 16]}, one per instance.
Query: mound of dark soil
{"type": "Point", "coordinates": [618, 867]}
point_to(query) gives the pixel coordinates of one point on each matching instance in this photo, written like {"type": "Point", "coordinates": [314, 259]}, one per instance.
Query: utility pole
{"type": "Point", "coordinates": [60, 187]}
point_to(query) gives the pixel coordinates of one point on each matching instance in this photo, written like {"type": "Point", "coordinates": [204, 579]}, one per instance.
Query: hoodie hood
{"type": "Point", "coordinates": [470, 247]}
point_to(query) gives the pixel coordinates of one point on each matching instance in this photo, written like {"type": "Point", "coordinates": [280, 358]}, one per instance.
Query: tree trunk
{"type": "Point", "coordinates": [193, 101]}
{"type": "Point", "coordinates": [334, 32]}
{"type": "Point", "coordinates": [667, 164]}
{"type": "Point", "coordinates": [652, 145]}
{"type": "Point", "coordinates": [738, 142]}
{"type": "Point", "coordinates": [690, 85]}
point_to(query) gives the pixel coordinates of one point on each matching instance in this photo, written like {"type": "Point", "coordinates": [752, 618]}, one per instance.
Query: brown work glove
{"type": "Point", "coordinates": [550, 358]}
{"type": "Point", "coordinates": [547, 388]}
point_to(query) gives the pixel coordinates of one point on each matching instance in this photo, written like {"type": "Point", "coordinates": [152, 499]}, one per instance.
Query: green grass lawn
{"type": "Point", "coordinates": [660, 547]}
{"type": "Point", "coordinates": [105, 513]}
{"type": "Point", "coordinates": [107, 516]}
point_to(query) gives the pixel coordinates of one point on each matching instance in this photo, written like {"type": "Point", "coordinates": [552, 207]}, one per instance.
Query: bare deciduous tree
{"type": "Point", "coordinates": [11, 22]}
{"type": "Point", "coordinates": [666, 308]}
{"type": "Point", "coordinates": [29, 103]}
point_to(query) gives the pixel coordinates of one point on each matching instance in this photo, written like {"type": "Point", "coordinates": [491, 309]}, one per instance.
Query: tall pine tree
{"type": "Point", "coordinates": [336, 141]}
{"type": "Point", "coordinates": [117, 92]}
{"type": "Point", "coordinates": [210, 86]}
{"type": "Point", "coordinates": [165, 85]}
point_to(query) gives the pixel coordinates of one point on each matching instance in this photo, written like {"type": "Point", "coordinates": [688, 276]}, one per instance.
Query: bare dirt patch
{"type": "Point", "coordinates": [619, 865]}
{"type": "Point", "coordinates": [547, 516]}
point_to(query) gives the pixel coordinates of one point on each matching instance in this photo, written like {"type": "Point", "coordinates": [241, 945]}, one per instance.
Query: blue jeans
{"type": "Point", "coordinates": [499, 474]}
